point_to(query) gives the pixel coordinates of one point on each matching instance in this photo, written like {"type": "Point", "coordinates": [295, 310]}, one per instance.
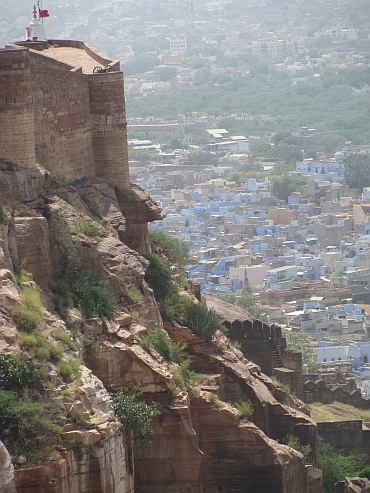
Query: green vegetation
{"type": "Point", "coordinates": [90, 341]}
{"type": "Point", "coordinates": [214, 400]}
{"type": "Point", "coordinates": [159, 340]}
{"type": "Point", "coordinates": [330, 104]}
{"type": "Point", "coordinates": [183, 376]}
{"type": "Point", "coordinates": [132, 293]}
{"type": "Point", "coordinates": [364, 473]}
{"type": "Point", "coordinates": [203, 321]}
{"type": "Point", "coordinates": [96, 207]}
{"type": "Point", "coordinates": [202, 158]}
{"type": "Point", "coordinates": [69, 370]}
{"type": "Point", "coordinates": [246, 408]}
{"type": "Point", "coordinates": [63, 245]}
{"type": "Point", "coordinates": [294, 442]}
{"type": "Point", "coordinates": [10, 166]}
{"type": "Point", "coordinates": [159, 276]}
{"type": "Point", "coordinates": [64, 337]}
{"type": "Point", "coordinates": [134, 415]}
{"type": "Point", "coordinates": [176, 251]}
{"type": "Point", "coordinates": [357, 170]}
{"type": "Point", "coordinates": [14, 374]}
{"type": "Point", "coordinates": [93, 298]}
{"type": "Point", "coordinates": [27, 423]}
{"type": "Point", "coordinates": [89, 227]}
{"type": "Point", "coordinates": [29, 311]}
{"type": "Point", "coordinates": [300, 342]}
{"type": "Point", "coordinates": [283, 186]}
{"type": "Point", "coordinates": [337, 412]}
{"type": "Point", "coordinates": [335, 467]}
{"type": "Point", "coordinates": [174, 306]}
{"type": "Point", "coordinates": [62, 299]}
{"type": "Point", "coordinates": [248, 302]}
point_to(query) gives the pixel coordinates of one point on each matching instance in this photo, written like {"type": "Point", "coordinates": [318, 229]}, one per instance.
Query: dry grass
{"type": "Point", "coordinates": [337, 412]}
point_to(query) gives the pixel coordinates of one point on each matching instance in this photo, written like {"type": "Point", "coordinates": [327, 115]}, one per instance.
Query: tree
{"type": "Point", "coordinates": [300, 342]}
{"type": "Point", "coordinates": [283, 186]}
{"type": "Point", "coordinates": [176, 251]}
{"type": "Point", "coordinates": [167, 73]}
{"type": "Point", "coordinates": [249, 302]}
{"type": "Point", "coordinates": [357, 170]}
{"type": "Point", "coordinates": [202, 158]}
{"type": "Point", "coordinates": [134, 415]}
{"type": "Point", "coordinates": [159, 276]}
{"type": "Point", "coordinates": [335, 467]}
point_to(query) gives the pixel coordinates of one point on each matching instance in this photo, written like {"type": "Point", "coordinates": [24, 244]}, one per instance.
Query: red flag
{"type": "Point", "coordinates": [43, 13]}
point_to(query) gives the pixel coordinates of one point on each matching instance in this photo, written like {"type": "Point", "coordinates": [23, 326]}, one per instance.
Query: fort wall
{"type": "Point", "coordinates": [17, 141]}
{"type": "Point", "coordinates": [57, 112]}
{"type": "Point", "coordinates": [63, 140]}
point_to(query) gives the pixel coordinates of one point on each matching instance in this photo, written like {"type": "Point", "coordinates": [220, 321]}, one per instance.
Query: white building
{"type": "Point", "coordinates": [178, 44]}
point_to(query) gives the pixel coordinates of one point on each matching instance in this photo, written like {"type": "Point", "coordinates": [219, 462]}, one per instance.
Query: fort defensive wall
{"type": "Point", "coordinates": [56, 111]}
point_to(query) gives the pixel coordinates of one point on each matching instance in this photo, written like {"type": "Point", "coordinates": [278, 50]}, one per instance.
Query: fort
{"type": "Point", "coordinates": [57, 111]}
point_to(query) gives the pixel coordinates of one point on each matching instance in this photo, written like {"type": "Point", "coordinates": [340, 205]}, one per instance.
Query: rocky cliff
{"type": "Point", "coordinates": [51, 234]}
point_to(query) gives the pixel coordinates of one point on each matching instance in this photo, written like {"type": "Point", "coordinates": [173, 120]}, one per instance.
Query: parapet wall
{"type": "Point", "coordinates": [319, 392]}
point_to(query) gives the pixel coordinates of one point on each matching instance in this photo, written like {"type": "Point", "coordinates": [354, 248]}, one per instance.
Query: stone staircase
{"type": "Point", "coordinates": [275, 352]}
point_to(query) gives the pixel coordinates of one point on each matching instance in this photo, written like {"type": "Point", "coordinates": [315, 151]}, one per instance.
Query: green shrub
{"type": "Point", "coordinates": [203, 321]}
{"type": "Point", "coordinates": [132, 294]}
{"type": "Point", "coordinates": [89, 227]}
{"type": "Point", "coordinates": [96, 207]}
{"type": "Point", "coordinates": [62, 299]}
{"type": "Point", "coordinates": [174, 306]}
{"type": "Point", "coordinates": [294, 442]}
{"type": "Point", "coordinates": [335, 467]}
{"type": "Point", "coordinates": [14, 374]}
{"type": "Point", "coordinates": [134, 415]}
{"type": "Point", "coordinates": [246, 408]}
{"type": "Point", "coordinates": [159, 276]}
{"type": "Point", "coordinates": [46, 350]}
{"type": "Point", "coordinates": [214, 400]}
{"type": "Point", "coordinates": [93, 298]}
{"type": "Point", "coordinates": [26, 422]}
{"type": "Point", "coordinates": [10, 166]}
{"type": "Point", "coordinates": [183, 376]}
{"type": "Point", "coordinates": [64, 337]}
{"type": "Point", "coordinates": [32, 300]}
{"type": "Point", "coordinates": [63, 243]}
{"type": "Point", "coordinates": [69, 370]}
{"type": "Point", "coordinates": [25, 318]}
{"type": "Point", "coordinates": [90, 341]}
{"type": "Point", "coordinates": [4, 216]}
{"type": "Point", "coordinates": [176, 251]}
{"type": "Point", "coordinates": [364, 473]}
{"type": "Point", "coordinates": [26, 341]}
{"type": "Point", "coordinates": [159, 340]}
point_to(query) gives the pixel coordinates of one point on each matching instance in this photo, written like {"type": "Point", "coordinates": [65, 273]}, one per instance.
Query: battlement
{"type": "Point", "coordinates": [57, 111]}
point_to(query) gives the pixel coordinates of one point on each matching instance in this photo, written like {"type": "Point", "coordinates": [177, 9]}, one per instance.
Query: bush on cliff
{"type": "Point", "coordinates": [176, 251]}
{"type": "Point", "coordinates": [203, 321]}
{"type": "Point", "coordinates": [159, 276]}
{"type": "Point", "coordinates": [134, 415]}
{"type": "Point", "coordinates": [93, 298]}
{"type": "Point", "coordinates": [14, 374]}
{"type": "Point", "coordinates": [159, 340]}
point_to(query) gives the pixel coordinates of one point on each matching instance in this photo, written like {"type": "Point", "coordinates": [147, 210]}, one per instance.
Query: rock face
{"type": "Point", "coordinates": [353, 485]}
{"type": "Point", "coordinates": [201, 442]}
{"type": "Point", "coordinates": [7, 484]}
{"type": "Point", "coordinates": [138, 209]}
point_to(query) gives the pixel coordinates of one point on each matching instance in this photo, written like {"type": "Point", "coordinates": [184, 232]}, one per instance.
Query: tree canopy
{"type": "Point", "coordinates": [357, 170]}
{"type": "Point", "coordinates": [283, 186]}
{"type": "Point", "coordinates": [250, 303]}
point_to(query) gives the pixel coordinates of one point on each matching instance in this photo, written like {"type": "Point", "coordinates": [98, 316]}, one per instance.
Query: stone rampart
{"type": "Point", "coordinates": [55, 111]}
{"type": "Point", "coordinates": [319, 392]}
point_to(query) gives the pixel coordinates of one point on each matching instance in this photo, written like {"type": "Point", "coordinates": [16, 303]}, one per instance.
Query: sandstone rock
{"type": "Point", "coordinates": [126, 336]}
{"type": "Point", "coordinates": [138, 209]}
{"type": "Point", "coordinates": [5, 260]}
{"type": "Point", "coordinates": [92, 326]}
{"type": "Point", "coordinates": [25, 185]}
{"type": "Point", "coordinates": [123, 319]}
{"type": "Point", "coordinates": [32, 240]}
{"type": "Point", "coordinates": [354, 485]}
{"type": "Point", "coordinates": [7, 484]}
{"type": "Point", "coordinates": [121, 366]}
